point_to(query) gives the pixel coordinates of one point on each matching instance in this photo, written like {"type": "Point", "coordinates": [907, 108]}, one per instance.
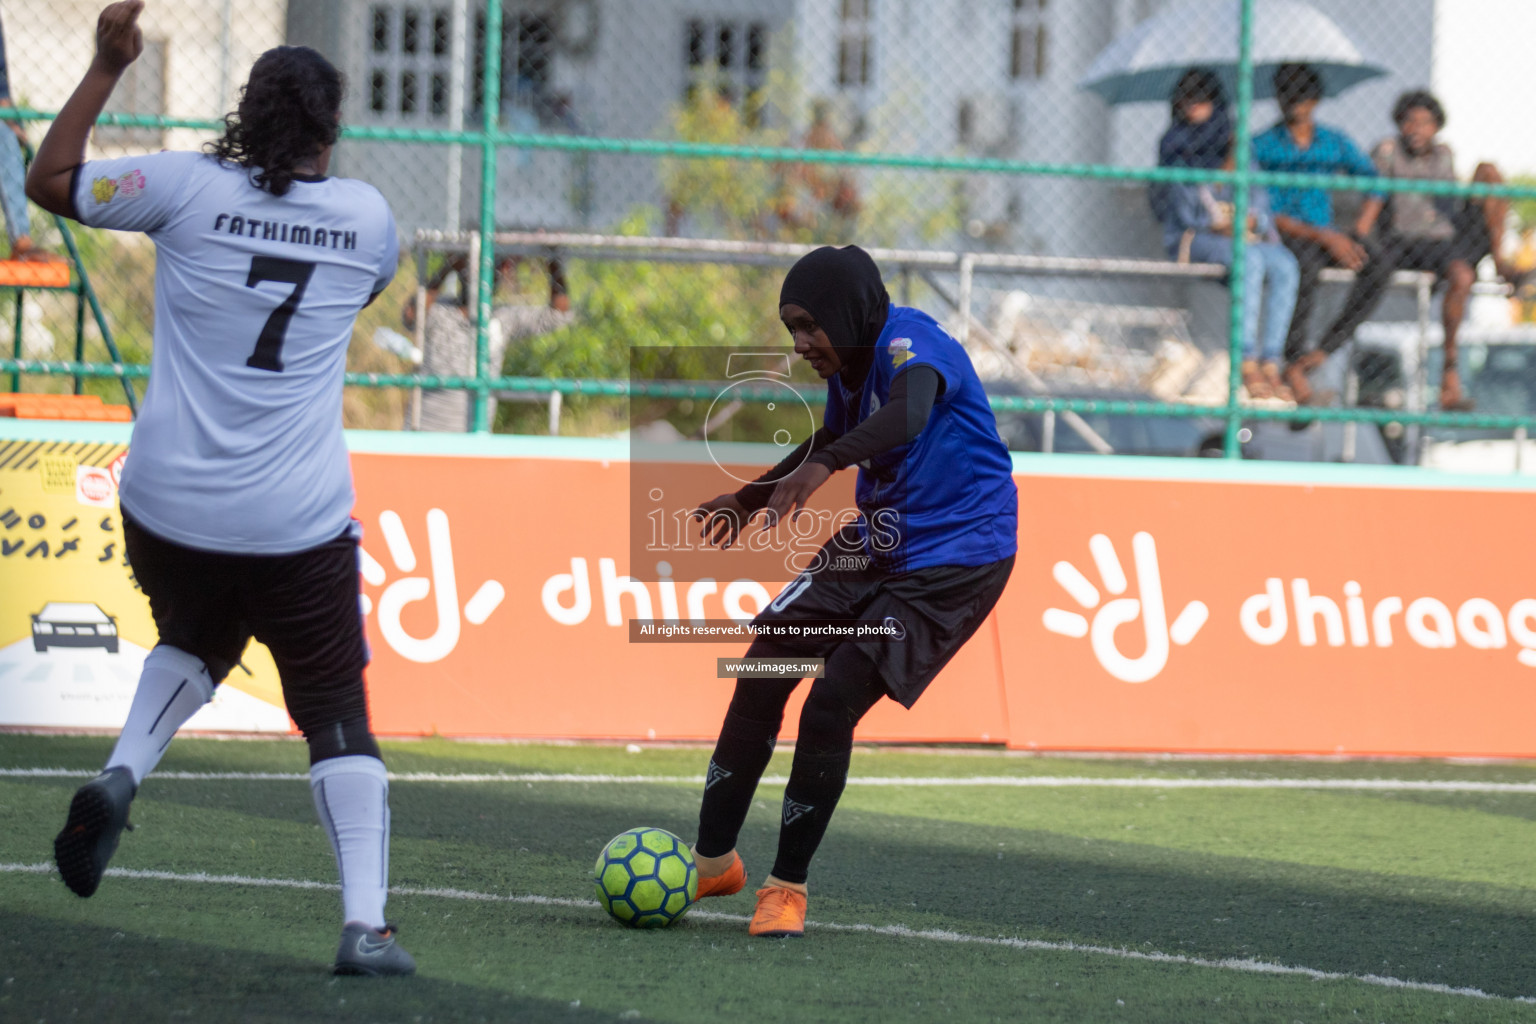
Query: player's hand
{"type": "Point", "coordinates": [722, 519]}
{"type": "Point", "coordinates": [1346, 252]}
{"type": "Point", "coordinates": [793, 491]}
{"type": "Point", "coordinates": [119, 41]}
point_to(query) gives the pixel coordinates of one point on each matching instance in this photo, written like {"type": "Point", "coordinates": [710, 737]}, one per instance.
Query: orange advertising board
{"type": "Point", "coordinates": [1156, 605]}
{"type": "Point", "coordinates": [553, 657]}
{"type": "Point", "coordinates": [1213, 616]}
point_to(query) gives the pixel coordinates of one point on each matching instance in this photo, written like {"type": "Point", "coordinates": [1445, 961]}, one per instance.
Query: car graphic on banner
{"type": "Point", "coordinates": [73, 624]}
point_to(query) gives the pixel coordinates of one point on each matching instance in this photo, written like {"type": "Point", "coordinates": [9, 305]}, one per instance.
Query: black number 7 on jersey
{"type": "Point", "coordinates": [269, 344]}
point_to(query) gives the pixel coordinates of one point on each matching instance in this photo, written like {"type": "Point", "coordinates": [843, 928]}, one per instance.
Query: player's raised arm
{"type": "Point", "coordinates": [118, 44]}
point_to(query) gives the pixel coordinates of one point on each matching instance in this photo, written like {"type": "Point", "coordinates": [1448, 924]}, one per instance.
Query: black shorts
{"type": "Point", "coordinates": [1434, 255]}
{"type": "Point", "coordinates": [1468, 245]}
{"type": "Point", "coordinates": [937, 608]}
{"type": "Point", "coordinates": [303, 606]}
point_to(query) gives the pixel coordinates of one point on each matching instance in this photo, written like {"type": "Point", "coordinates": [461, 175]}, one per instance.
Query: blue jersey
{"type": "Point", "coordinates": [947, 497]}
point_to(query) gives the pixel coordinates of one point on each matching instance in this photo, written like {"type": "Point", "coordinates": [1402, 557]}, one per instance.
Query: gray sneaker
{"type": "Point", "coordinates": [97, 816]}
{"type": "Point", "coordinates": [365, 950]}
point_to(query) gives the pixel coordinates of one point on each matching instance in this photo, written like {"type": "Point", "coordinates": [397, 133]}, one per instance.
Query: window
{"type": "Point", "coordinates": [1027, 41]}
{"type": "Point", "coordinates": [410, 31]}
{"type": "Point", "coordinates": [854, 31]}
{"type": "Point", "coordinates": [439, 94]}
{"type": "Point", "coordinates": [729, 58]}
{"type": "Point", "coordinates": [141, 90]}
{"type": "Point", "coordinates": [407, 93]}
{"type": "Point", "coordinates": [381, 20]}
{"type": "Point", "coordinates": [378, 92]}
{"type": "Point", "coordinates": [527, 65]}
{"type": "Point", "coordinates": [408, 62]}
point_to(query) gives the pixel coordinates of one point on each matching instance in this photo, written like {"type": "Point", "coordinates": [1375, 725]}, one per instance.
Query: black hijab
{"type": "Point", "coordinates": [1196, 145]}
{"type": "Point", "coordinates": [842, 290]}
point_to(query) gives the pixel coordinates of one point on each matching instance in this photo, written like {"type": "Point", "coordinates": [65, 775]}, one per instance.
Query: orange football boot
{"type": "Point", "coordinates": [732, 881]}
{"type": "Point", "coordinates": [780, 912]}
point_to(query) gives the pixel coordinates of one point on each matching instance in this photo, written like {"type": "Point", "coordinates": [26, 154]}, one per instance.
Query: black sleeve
{"type": "Point", "coordinates": [755, 495]}
{"type": "Point", "coordinates": [896, 423]}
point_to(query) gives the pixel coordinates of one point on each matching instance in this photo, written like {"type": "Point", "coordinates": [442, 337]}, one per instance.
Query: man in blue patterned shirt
{"type": "Point", "coordinates": [1304, 217]}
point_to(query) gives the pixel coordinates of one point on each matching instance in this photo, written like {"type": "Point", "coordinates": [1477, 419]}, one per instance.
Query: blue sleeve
{"type": "Point", "coordinates": [1184, 208]}
{"type": "Point", "coordinates": [1355, 159]}
{"type": "Point", "coordinates": [1357, 163]}
{"type": "Point", "coordinates": [1265, 151]}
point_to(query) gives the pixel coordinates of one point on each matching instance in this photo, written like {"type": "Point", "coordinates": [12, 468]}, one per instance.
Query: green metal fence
{"type": "Point", "coordinates": [491, 138]}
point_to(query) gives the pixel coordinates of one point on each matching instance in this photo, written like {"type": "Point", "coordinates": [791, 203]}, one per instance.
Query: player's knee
{"type": "Point", "coordinates": [1488, 174]}
{"type": "Point", "coordinates": [346, 738]}
{"type": "Point", "coordinates": [761, 698]}
{"type": "Point", "coordinates": [827, 723]}
{"type": "Point", "coordinates": [1460, 277]}
{"type": "Point", "coordinates": [758, 702]}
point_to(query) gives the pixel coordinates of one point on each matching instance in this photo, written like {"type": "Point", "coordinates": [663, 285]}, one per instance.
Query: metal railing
{"type": "Point", "coordinates": [907, 263]}
{"type": "Point", "coordinates": [489, 138]}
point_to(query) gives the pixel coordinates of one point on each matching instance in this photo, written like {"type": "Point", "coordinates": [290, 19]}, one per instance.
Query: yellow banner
{"type": "Point", "coordinates": [74, 626]}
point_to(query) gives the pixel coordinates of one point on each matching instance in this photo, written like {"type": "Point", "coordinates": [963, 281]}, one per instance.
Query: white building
{"type": "Point", "coordinates": [994, 78]}
{"type": "Point", "coordinates": [196, 55]}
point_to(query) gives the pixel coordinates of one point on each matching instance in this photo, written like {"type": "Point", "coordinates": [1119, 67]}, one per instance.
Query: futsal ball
{"type": "Point", "coordinates": [646, 878]}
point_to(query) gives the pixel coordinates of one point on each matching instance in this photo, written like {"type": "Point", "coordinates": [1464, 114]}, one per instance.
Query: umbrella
{"type": "Point", "coordinates": [1146, 62]}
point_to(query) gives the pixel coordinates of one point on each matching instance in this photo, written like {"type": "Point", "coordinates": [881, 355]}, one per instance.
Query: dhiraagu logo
{"type": "Point", "coordinates": [441, 585]}
{"type": "Point", "coordinates": [1100, 619]}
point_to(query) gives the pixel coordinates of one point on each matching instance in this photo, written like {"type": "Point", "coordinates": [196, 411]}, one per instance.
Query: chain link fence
{"type": "Point", "coordinates": [1056, 181]}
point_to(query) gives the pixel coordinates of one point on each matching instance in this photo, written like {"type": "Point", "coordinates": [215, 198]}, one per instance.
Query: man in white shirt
{"type": "Point", "coordinates": [237, 492]}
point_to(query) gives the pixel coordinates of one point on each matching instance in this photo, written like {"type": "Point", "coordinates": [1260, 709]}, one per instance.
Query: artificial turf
{"type": "Point", "coordinates": [1431, 887]}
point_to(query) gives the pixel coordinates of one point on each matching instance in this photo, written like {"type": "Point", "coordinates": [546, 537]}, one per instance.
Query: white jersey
{"type": "Point", "coordinates": [238, 446]}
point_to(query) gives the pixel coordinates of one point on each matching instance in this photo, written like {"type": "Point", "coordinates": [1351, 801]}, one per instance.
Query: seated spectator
{"type": "Point", "coordinates": [1198, 227]}
{"type": "Point", "coordinates": [1304, 218]}
{"type": "Point", "coordinates": [1200, 127]}
{"type": "Point", "coordinates": [448, 345]}
{"type": "Point", "coordinates": [1440, 234]}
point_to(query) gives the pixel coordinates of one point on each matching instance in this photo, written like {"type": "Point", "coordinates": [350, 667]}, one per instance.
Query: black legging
{"type": "Point", "coordinates": [1371, 281]}
{"type": "Point", "coordinates": [832, 710]}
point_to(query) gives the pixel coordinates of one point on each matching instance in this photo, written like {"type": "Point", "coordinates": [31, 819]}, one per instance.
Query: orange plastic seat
{"type": "Point", "coordinates": [34, 274]}
{"type": "Point", "coordinates": [62, 407]}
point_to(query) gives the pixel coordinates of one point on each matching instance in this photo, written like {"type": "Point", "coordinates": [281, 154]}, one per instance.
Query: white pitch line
{"type": "Point", "coordinates": [897, 931]}
{"type": "Point", "coordinates": [1008, 781]}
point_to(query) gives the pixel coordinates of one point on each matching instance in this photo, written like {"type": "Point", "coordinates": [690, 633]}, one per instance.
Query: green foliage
{"type": "Point", "coordinates": [641, 319]}
{"type": "Point", "coordinates": [1524, 209]}
{"type": "Point", "coordinates": [724, 198]}
{"type": "Point", "coordinates": [657, 321]}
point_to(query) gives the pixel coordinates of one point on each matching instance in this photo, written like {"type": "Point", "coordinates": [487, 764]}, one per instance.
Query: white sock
{"type": "Point", "coordinates": [352, 798]}
{"type": "Point", "coordinates": [173, 685]}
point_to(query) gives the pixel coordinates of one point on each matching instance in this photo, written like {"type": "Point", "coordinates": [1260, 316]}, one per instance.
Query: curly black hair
{"type": "Point", "coordinates": [289, 111]}
{"type": "Point", "coordinates": [1296, 83]}
{"type": "Point", "coordinates": [1418, 99]}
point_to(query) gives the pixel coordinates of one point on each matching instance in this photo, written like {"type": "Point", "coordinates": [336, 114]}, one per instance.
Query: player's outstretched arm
{"type": "Point", "coordinates": [118, 43]}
